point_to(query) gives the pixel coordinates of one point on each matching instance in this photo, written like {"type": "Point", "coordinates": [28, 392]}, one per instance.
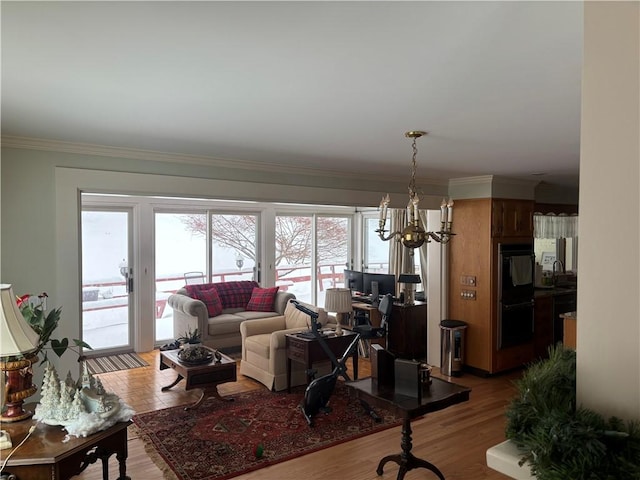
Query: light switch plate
{"type": "Point", "coordinates": [468, 280]}
{"type": "Point", "coordinates": [468, 294]}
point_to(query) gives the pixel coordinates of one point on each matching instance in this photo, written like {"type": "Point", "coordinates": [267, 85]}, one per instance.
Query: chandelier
{"type": "Point", "coordinates": [413, 235]}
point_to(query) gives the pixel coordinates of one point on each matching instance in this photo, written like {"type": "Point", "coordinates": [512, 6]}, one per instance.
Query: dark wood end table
{"type": "Point", "coordinates": [206, 376]}
{"type": "Point", "coordinates": [45, 456]}
{"type": "Point", "coordinates": [440, 394]}
{"type": "Point", "coordinates": [309, 351]}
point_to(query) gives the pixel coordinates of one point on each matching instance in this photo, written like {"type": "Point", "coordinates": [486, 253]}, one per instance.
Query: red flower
{"type": "Point", "coordinates": [22, 299]}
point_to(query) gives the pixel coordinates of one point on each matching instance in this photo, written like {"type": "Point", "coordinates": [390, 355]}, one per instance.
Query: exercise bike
{"type": "Point", "coordinates": [318, 392]}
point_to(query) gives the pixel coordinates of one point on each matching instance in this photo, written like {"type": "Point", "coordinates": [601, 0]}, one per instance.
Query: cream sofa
{"type": "Point", "coordinates": [264, 356]}
{"type": "Point", "coordinates": [222, 330]}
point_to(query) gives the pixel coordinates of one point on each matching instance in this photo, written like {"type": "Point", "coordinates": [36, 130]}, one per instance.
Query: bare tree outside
{"type": "Point", "coordinates": [293, 236]}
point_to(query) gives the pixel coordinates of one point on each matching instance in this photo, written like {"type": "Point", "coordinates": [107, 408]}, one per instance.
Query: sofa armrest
{"type": "Point", "coordinates": [188, 313]}
{"type": "Point", "coordinates": [281, 300]}
{"type": "Point", "coordinates": [260, 326]}
{"type": "Point", "coordinates": [279, 339]}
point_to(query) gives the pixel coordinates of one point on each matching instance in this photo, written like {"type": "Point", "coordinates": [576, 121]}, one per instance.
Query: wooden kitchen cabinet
{"type": "Point", "coordinates": [480, 226]}
{"type": "Point", "coordinates": [512, 218]}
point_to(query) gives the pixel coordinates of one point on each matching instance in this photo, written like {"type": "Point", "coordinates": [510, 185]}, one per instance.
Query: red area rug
{"type": "Point", "coordinates": [218, 440]}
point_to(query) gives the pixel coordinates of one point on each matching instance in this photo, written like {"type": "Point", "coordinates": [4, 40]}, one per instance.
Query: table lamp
{"type": "Point", "coordinates": [409, 280]}
{"type": "Point", "coordinates": [19, 340]}
{"type": "Point", "coordinates": [338, 300]}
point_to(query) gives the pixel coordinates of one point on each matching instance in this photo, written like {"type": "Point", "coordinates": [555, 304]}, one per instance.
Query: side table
{"type": "Point", "coordinates": [309, 351]}
{"type": "Point", "coordinates": [440, 394]}
{"type": "Point", "coordinates": [44, 456]}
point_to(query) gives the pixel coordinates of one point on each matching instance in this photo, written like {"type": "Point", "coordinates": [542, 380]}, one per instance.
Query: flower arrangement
{"type": "Point", "coordinates": [44, 325]}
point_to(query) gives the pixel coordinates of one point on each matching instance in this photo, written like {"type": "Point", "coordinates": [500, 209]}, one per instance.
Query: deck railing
{"type": "Point", "coordinates": [112, 294]}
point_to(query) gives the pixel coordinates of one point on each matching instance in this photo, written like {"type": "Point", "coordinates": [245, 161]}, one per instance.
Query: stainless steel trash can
{"type": "Point", "coordinates": [452, 334]}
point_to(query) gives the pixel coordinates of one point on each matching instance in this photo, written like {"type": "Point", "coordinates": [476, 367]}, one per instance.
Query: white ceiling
{"type": "Point", "coordinates": [327, 85]}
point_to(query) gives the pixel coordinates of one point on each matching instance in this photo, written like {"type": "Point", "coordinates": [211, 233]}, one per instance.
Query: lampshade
{"type": "Point", "coordinates": [338, 300]}
{"type": "Point", "coordinates": [16, 336]}
{"type": "Point", "coordinates": [409, 278]}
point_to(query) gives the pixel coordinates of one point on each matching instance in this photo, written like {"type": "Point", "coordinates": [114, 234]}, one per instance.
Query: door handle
{"type": "Point", "coordinates": [517, 305]}
{"type": "Point", "coordinates": [129, 281]}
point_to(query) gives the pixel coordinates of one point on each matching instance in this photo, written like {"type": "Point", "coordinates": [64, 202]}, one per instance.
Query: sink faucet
{"type": "Point", "coordinates": [553, 269]}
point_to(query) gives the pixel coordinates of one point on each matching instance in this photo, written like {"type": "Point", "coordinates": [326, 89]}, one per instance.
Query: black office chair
{"type": "Point", "coordinates": [368, 332]}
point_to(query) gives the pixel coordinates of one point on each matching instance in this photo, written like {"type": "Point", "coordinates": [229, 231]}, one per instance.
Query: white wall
{"type": "Point", "coordinates": [436, 290]}
{"type": "Point", "coordinates": [608, 347]}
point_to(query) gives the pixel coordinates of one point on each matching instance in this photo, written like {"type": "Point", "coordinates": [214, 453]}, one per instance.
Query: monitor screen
{"type": "Point", "coordinates": [386, 283]}
{"type": "Point", "coordinates": [353, 281]}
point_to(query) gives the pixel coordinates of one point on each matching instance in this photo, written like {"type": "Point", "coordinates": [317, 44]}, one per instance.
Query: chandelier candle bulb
{"type": "Point", "coordinates": [443, 211]}
{"type": "Point", "coordinates": [384, 204]}
{"type": "Point", "coordinates": [450, 211]}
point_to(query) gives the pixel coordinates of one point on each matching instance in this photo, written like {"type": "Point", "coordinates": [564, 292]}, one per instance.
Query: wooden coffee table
{"type": "Point", "coordinates": [205, 376]}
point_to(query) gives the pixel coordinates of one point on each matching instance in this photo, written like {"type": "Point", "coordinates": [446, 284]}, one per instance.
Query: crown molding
{"type": "Point", "coordinates": [31, 143]}
{"type": "Point", "coordinates": [492, 186]}
{"type": "Point", "coordinates": [478, 180]}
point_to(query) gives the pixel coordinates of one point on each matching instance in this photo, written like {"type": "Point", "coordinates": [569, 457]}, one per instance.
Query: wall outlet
{"type": "Point", "coordinates": [468, 280]}
{"type": "Point", "coordinates": [468, 294]}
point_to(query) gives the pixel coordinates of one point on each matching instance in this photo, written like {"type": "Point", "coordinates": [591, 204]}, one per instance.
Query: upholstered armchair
{"type": "Point", "coordinates": [264, 356]}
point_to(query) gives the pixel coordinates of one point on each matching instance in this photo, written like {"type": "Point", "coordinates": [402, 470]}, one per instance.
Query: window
{"type": "Point", "coordinates": [301, 239]}
{"type": "Point", "coordinates": [217, 241]}
{"type": "Point", "coordinates": [376, 252]}
{"type": "Point", "coordinates": [235, 246]}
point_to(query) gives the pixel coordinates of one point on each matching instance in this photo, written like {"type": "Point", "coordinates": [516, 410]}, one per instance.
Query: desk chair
{"type": "Point", "coordinates": [368, 332]}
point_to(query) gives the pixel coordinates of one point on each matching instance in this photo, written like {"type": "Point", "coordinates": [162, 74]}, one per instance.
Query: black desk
{"type": "Point", "coordinates": [406, 330]}
{"type": "Point", "coordinates": [441, 394]}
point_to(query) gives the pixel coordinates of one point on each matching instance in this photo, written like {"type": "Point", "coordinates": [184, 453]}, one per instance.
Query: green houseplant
{"type": "Point", "coordinates": [563, 440]}
{"type": "Point", "coordinates": [44, 324]}
{"type": "Point", "coordinates": [190, 337]}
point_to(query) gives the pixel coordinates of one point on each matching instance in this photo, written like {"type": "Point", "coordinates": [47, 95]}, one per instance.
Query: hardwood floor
{"type": "Point", "coordinates": [454, 439]}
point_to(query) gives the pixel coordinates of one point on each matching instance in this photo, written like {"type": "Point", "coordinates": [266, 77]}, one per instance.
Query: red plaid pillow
{"type": "Point", "coordinates": [235, 294]}
{"type": "Point", "coordinates": [211, 299]}
{"type": "Point", "coordinates": [262, 299]}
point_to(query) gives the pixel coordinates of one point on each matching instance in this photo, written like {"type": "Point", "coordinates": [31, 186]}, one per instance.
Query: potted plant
{"type": "Point", "coordinates": [189, 338]}
{"type": "Point", "coordinates": [44, 324]}
{"type": "Point", "coordinates": [562, 439]}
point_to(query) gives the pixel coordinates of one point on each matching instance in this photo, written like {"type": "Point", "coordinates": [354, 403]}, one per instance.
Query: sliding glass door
{"type": "Point", "coordinates": [180, 257]}
{"type": "Point", "coordinates": [107, 278]}
{"type": "Point", "coordinates": [186, 254]}
{"type": "Point", "coordinates": [180, 241]}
